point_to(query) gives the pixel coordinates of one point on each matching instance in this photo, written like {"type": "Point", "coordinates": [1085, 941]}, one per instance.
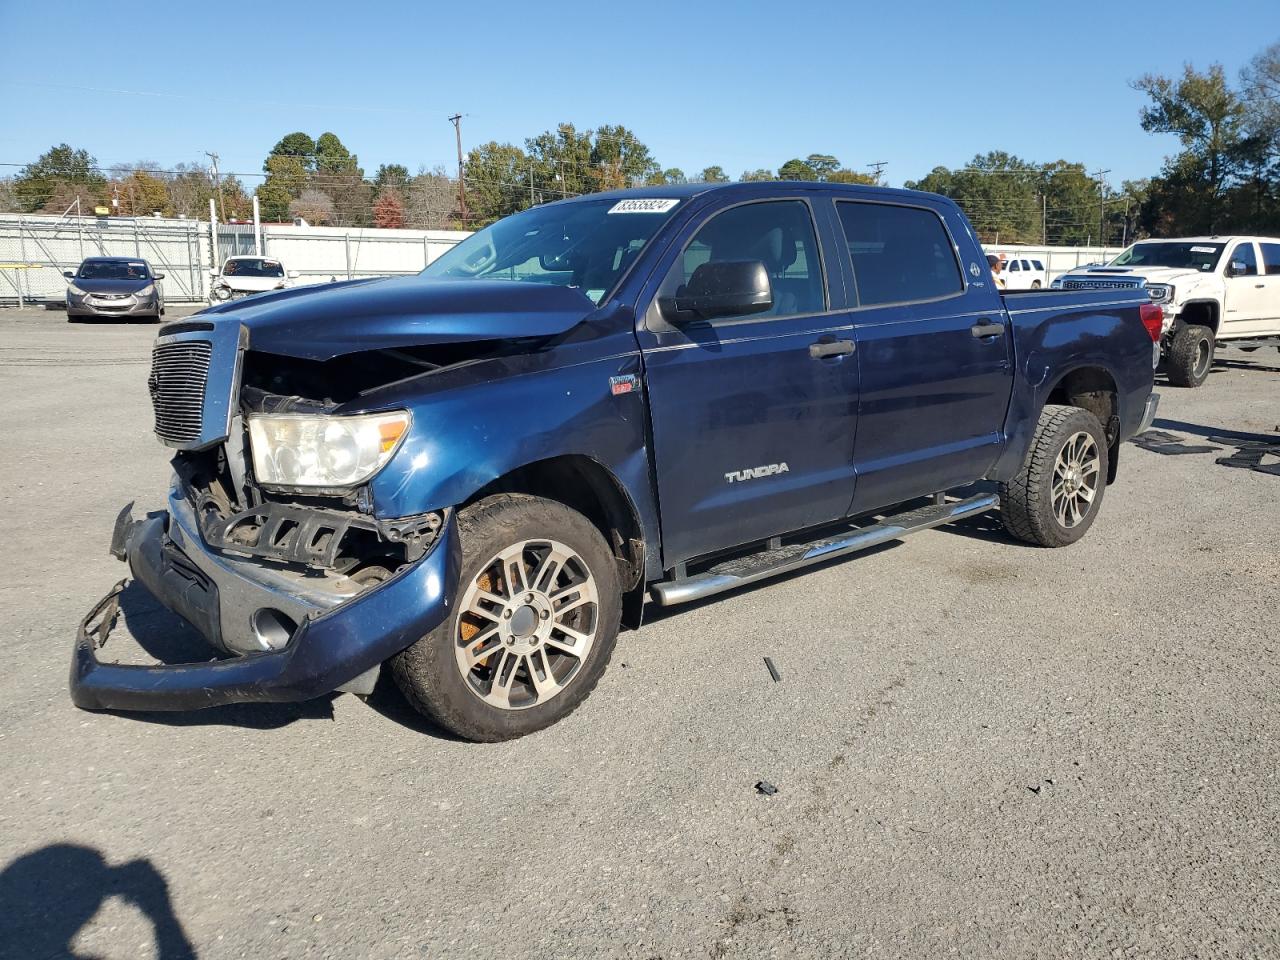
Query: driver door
{"type": "Point", "coordinates": [1246, 302]}
{"type": "Point", "coordinates": [753, 416]}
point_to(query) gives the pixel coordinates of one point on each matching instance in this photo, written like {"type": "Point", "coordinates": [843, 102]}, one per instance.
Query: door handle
{"type": "Point", "coordinates": [830, 348]}
{"type": "Point", "coordinates": [1259, 286]}
{"type": "Point", "coordinates": [985, 328]}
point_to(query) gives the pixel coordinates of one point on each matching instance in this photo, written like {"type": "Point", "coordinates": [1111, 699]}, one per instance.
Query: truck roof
{"type": "Point", "coordinates": [1217, 238]}
{"type": "Point", "coordinates": [688, 190]}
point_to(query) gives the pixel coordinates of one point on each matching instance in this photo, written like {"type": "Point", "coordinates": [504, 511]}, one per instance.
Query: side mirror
{"type": "Point", "coordinates": [69, 274]}
{"type": "Point", "coordinates": [294, 274]}
{"type": "Point", "coordinates": [725, 288]}
{"type": "Point", "coordinates": [157, 276]}
{"type": "Point", "coordinates": [1237, 269]}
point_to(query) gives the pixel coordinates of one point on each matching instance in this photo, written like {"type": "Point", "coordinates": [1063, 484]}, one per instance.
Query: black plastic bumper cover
{"type": "Point", "coordinates": [326, 652]}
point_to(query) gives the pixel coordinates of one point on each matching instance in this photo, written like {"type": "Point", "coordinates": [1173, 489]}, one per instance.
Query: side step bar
{"type": "Point", "coordinates": [729, 574]}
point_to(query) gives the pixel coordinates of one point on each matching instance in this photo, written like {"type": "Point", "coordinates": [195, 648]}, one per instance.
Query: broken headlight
{"type": "Point", "coordinates": [300, 450]}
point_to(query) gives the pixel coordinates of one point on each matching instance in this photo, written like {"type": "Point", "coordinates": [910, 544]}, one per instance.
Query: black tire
{"type": "Point", "coordinates": [1027, 503]}
{"type": "Point", "coordinates": [1190, 356]}
{"type": "Point", "coordinates": [429, 673]}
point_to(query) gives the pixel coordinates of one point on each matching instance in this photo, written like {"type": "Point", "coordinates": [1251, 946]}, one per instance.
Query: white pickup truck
{"type": "Point", "coordinates": [1211, 289]}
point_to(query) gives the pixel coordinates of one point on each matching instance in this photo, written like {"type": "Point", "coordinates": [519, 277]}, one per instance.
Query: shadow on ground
{"type": "Point", "coordinates": [49, 895]}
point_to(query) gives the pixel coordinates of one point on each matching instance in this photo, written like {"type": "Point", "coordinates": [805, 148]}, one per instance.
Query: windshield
{"type": "Point", "coordinates": [1185, 256]}
{"type": "Point", "coordinates": [114, 270]}
{"type": "Point", "coordinates": [586, 244]}
{"type": "Point", "coordinates": [253, 267]}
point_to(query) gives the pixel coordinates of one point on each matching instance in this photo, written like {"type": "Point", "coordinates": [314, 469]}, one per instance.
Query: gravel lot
{"type": "Point", "coordinates": [981, 749]}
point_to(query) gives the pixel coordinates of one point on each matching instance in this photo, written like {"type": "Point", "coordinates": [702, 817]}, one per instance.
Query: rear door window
{"type": "Point", "coordinates": [1014, 265]}
{"type": "Point", "coordinates": [899, 254]}
{"type": "Point", "coordinates": [1271, 258]}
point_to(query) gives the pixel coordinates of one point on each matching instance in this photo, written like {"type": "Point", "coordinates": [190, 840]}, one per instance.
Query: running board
{"type": "Point", "coordinates": [738, 572]}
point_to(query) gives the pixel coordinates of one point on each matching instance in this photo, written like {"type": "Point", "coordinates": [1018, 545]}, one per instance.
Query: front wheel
{"type": "Point", "coordinates": [1035, 284]}
{"type": "Point", "coordinates": [1055, 497]}
{"type": "Point", "coordinates": [1190, 356]}
{"type": "Point", "coordinates": [533, 628]}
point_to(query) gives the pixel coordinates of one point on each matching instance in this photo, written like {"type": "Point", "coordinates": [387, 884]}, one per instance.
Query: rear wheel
{"type": "Point", "coordinates": [1056, 495]}
{"type": "Point", "coordinates": [1190, 356]}
{"type": "Point", "coordinates": [533, 629]}
{"type": "Point", "coordinates": [1035, 284]}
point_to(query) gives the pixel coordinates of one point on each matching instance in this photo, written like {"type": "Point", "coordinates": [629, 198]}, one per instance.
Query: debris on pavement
{"type": "Point", "coordinates": [1249, 454]}
{"type": "Point", "coordinates": [773, 671]}
{"type": "Point", "coordinates": [766, 788]}
{"type": "Point", "coordinates": [1161, 441]}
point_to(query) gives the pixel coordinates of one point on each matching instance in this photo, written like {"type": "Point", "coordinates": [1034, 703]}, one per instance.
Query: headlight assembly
{"type": "Point", "coordinates": [299, 450]}
{"type": "Point", "coordinates": [72, 288]}
{"type": "Point", "coordinates": [1159, 292]}
{"type": "Point", "coordinates": [146, 291]}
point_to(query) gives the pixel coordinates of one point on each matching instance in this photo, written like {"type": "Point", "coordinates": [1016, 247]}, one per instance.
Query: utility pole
{"type": "Point", "coordinates": [217, 185]}
{"type": "Point", "coordinates": [1102, 207]}
{"type": "Point", "coordinates": [879, 165]}
{"type": "Point", "coordinates": [1044, 219]}
{"type": "Point", "coordinates": [456, 120]}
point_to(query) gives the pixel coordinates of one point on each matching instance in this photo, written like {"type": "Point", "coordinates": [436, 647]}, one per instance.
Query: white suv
{"type": "Point", "coordinates": [1021, 273]}
{"type": "Point", "coordinates": [1211, 289]}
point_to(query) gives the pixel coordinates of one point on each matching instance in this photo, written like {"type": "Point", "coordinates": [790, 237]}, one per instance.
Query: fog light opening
{"type": "Point", "coordinates": [272, 628]}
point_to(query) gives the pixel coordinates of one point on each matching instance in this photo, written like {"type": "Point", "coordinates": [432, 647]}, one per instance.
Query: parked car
{"type": "Point", "coordinates": [114, 287]}
{"type": "Point", "coordinates": [1210, 289]}
{"type": "Point", "coordinates": [1023, 273]}
{"type": "Point", "coordinates": [474, 476]}
{"type": "Point", "coordinates": [243, 276]}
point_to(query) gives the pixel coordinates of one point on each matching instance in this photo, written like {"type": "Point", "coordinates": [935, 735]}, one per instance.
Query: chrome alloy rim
{"type": "Point", "coordinates": [1204, 357]}
{"type": "Point", "coordinates": [526, 625]}
{"type": "Point", "coordinates": [1075, 479]}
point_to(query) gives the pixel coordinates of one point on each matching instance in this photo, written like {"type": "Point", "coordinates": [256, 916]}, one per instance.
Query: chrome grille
{"type": "Point", "coordinates": [1101, 284]}
{"type": "Point", "coordinates": [179, 372]}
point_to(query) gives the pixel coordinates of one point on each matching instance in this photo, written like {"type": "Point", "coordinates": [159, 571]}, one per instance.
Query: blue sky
{"type": "Point", "coordinates": [742, 85]}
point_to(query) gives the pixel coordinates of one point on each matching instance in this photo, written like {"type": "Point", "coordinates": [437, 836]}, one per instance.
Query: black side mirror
{"type": "Point", "coordinates": [724, 288]}
{"type": "Point", "coordinates": [69, 274]}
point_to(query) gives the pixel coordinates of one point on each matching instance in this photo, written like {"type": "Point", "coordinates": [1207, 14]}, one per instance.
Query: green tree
{"type": "Point", "coordinates": [797, 170]}
{"type": "Point", "coordinates": [661, 178]}
{"type": "Point", "coordinates": [298, 145]}
{"type": "Point", "coordinates": [74, 171]}
{"type": "Point", "coordinates": [851, 176]}
{"type": "Point", "coordinates": [286, 179]}
{"type": "Point", "coordinates": [619, 158]}
{"type": "Point", "coordinates": [822, 164]}
{"type": "Point", "coordinates": [560, 162]}
{"type": "Point", "coordinates": [497, 181]}
{"type": "Point", "coordinates": [750, 176]}
{"type": "Point", "coordinates": [1209, 120]}
{"type": "Point", "coordinates": [392, 175]}
{"type": "Point", "coordinates": [713, 174]}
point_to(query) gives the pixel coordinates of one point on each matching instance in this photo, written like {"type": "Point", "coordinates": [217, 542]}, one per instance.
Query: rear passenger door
{"type": "Point", "coordinates": [933, 349]}
{"type": "Point", "coordinates": [1270, 271]}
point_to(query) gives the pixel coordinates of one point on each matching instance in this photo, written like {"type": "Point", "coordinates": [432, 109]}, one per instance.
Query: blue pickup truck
{"type": "Point", "coordinates": [474, 477]}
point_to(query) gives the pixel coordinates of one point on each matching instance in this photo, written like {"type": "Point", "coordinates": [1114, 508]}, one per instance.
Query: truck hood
{"type": "Point", "coordinates": [253, 284]}
{"type": "Point", "coordinates": [1148, 274]}
{"type": "Point", "coordinates": [321, 322]}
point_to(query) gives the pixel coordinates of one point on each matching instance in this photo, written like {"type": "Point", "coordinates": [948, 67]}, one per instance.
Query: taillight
{"type": "Point", "coordinates": [1153, 319]}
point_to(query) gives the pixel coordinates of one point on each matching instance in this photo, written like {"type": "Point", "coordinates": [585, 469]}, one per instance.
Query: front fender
{"type": "Point", "coordinates": [469, 435]}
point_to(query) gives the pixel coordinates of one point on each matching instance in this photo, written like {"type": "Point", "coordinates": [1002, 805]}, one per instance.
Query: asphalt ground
{"type": "Point", "coordinates": [980, 748]}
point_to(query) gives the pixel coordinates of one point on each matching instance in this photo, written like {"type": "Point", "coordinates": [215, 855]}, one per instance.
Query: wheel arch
{"type": "Point", "coordinates": [1206, 313]}
{"type": "Point", "coordinates": [589, 487]}
{"type": "Point", "coordinates": [1093, 387]}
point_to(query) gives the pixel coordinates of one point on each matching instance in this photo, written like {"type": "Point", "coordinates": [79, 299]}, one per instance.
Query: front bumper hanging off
{"type": "Point", "coordinates": [337, 638]}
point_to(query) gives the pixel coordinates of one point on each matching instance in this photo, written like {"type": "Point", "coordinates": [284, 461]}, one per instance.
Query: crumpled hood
{"type": "Point", "coordinates": [255, 284]}
{"type": "Point", "coordinates": [320, 322]}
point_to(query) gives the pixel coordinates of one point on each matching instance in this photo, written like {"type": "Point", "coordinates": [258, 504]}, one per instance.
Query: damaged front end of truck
{"type": "Point", "coordinates": [275, 543]}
